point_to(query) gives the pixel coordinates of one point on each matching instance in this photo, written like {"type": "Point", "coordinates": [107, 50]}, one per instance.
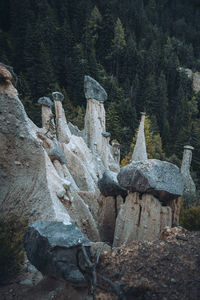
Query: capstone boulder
{"type": "Point", "coordinates": [93, 90]}
{"type": "Point", "coordinates": [160, 178]}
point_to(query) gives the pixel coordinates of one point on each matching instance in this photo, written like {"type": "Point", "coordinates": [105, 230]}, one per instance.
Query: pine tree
{"type": "Point", "coordinates": [118, 45]}
{"type": "Point", "coordinates": [113, 122]}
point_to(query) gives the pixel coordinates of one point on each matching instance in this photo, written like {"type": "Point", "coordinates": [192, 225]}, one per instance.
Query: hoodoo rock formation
{"type": "Point", "coordinates": [140, 152]}
{"type": "Point", "coordinates": [189, 185]}
{"type": "Point", "coordinates": [58, 173]}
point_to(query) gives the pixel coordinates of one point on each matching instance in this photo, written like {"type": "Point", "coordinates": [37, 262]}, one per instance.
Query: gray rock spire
{"type": "Point", "coordinates": [189, 186]}
{"type": "Point", "coordinates": [95, 123]}
{"type": "Point", "coordinates": [140, 152]}
{"type": "Point", "coordinates": [62, 129]}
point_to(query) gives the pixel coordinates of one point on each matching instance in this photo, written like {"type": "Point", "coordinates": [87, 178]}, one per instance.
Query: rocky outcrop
{"type": "Point", "coordinates": [140, 218]}
{"type": "Point", "coordinates": [50, 173]}
{"type": "Point", "coordinates": [35, 179]}
{"type": "Point", "coordinates": [53, 248]}
{"type": "Point", "coordinates": [59, 173]}
{"type": "Point", "coordinates": [160, 178]}
{"type": "Point", "coordinates": [25, 189]}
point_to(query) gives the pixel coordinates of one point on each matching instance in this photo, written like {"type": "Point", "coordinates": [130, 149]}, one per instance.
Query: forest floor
{"type": "Point", "coordinates": [162, 270]}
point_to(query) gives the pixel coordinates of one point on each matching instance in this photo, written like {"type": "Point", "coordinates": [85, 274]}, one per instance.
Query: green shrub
{"type": "Point", "coordinates": [11, 245]}
{"type": "Point", "coordinates": [190, 218]}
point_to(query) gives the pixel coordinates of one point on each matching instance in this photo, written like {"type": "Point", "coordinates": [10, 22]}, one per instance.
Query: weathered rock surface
{"type": "Point", "coordinates": [52, 248]}
{"type": "Point", "coordinates": [24, 185]}
{"type": "Point", "coordinates": [94, 125]}
{"type": "Point", "coordinates": [62, 130]}
{"type": "Point", "coordinates": [109, 185]}
{"type": "Point", "coordinates": [152, 176]}
{"type": "Point", "coordinates": [140, 220]}
{"type": "Point", "coordinates": [31, 184]}
{"type": "Point", "coordinates": [140, 152]}
{"type": "Point", "coordinates": [189, 193]}
{"type": "Point", "coordinates": [108, 210]}
{"type": "Point", "coordinates": [45, 101]}
{"type": "Point", "coordinates": [57, 153]}
{"type": "Point", "coordinates": [93, 90]}
{"type": "Point", "coordinates": [75, 130]}
{"type": "Point", "coordinates": [196, 82]}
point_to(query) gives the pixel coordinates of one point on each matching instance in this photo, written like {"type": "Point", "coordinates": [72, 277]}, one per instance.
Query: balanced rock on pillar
{"type": "Point", "coordinates": [93, 90]}
{"type": "Point", "coordinates": [46, 112]}
{"type": "Point", "coordinates": [160, 178]}
{"type": "Point", "coordinates": [62, 129]}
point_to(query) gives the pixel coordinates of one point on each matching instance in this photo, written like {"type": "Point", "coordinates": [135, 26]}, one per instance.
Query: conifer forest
{"type": "Point", "coordinates": [135, 49]}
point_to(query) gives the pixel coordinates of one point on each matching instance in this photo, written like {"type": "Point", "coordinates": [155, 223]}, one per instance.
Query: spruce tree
{"type": "Point", "coordinates": [118, 45]}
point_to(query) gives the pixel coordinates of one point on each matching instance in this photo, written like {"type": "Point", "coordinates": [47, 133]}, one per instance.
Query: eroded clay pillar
{"type": "Point", "coordinates": [116, 151]}
{"type": "Point", "coordinates": [62, 129]}
{"type": "Point", "coordinates": [95, 124]}
{"type": "Point", "coordinates": [47, 115]}
{"type": "Point", "coordinates": [189, 193]}
{"type": "Point", "coordinates": [140, 152]}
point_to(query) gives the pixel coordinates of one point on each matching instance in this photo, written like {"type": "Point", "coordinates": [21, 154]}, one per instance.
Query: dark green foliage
{"type": "Point", "coordinates": [190, 218]}
{"type": "Point", "coordinates": [12, 229]}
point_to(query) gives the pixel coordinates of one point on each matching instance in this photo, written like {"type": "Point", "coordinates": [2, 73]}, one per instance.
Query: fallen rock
{"type": "Point", "coordinates": [160, 178]}
{"type": "Point", "coordinates": [93, 90]}
{"type": "Point", "coordinates": [52, 247]}
{"type": "Point", "coordinates": [109, 185]}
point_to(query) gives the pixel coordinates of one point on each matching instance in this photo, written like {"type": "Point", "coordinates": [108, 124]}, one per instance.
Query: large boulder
{"type": "Point", "coordinates": [109, 185]}
{"type": "Point", "coordinates": [93, 90]}
{"type": "Point", "coordinates": [53, 247]}
{"type": "Point", "coordinates": [160, 178]}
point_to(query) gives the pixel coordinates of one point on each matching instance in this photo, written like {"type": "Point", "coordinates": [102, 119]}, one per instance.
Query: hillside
{"type": "Point", "coordinates": [166, 269]}
{"type": "Point", "coordinates": [133, 48]}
